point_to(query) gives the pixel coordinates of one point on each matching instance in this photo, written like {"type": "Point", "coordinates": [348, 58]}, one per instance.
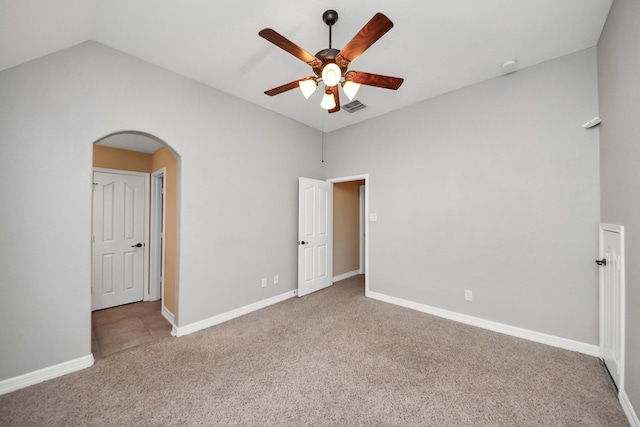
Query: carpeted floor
{"type": "Point", "coordinates": [333, 358]}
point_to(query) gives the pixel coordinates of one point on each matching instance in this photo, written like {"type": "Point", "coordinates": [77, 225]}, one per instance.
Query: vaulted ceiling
{"type": "Point", "coordinates": [437, 46]}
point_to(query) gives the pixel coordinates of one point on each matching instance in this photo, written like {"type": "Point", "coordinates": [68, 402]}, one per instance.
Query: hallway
{"type": "Point", "coordinates": [117, 329]}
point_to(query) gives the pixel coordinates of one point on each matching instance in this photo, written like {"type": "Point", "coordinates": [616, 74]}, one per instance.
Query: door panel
{"type": "Point", "coordinates": [612, 300]}
{"type": "Point", "coordinates": [107, 273]}
{"type": "Point", "coordinates": [107, 209]}
{"type": "Point", "coordinates": [315, 212]}
{"type": "Point", "coordinates": [118, 226]}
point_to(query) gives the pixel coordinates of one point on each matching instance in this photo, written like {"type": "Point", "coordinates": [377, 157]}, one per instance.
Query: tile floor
{"type": "Point", "coordinates": [118, 329]}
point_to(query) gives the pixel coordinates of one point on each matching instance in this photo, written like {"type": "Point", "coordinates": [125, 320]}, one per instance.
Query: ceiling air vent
{"type": "Point", "coordinates": [354, 106]}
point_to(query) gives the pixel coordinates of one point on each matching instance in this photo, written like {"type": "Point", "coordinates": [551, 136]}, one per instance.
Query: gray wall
{"type": "Point", "coordinates": [238, 219]}
{"type": "Point", "coordinates": [619, 87]}
{"type": "Point", "coordinates": [492, 188]}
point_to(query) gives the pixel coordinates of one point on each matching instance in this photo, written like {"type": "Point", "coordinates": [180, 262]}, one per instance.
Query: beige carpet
{"type": "Point", "coordinates": [331, 358]}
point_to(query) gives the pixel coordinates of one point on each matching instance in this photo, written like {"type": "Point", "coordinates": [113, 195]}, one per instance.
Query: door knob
{"type": "Point", "coordinates": [601, 262]}
{"type": "Point", "coordinates": [137, 245]}
{"type": "Point", "coordinates": [304, 243]}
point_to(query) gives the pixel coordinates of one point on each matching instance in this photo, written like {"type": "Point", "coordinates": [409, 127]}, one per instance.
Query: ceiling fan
{"type": "Point", "coordinates": [330, 66]}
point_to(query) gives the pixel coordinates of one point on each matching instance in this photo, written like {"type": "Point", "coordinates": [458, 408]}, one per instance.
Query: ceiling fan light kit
{"type": "Point", "coordinates": [350, 89]}
{"type": "Point", "coordinates": [328, 103]}
{"type": "Point", "coordinates": [331, 74]}
{"type": "Point", "coordinates": [330, 65]}
{"type": "Point", "coordinates": [307, 87]}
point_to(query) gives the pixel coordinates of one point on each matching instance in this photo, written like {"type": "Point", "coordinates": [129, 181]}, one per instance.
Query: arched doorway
{"type": "Point", "coordinates": [126, 156]}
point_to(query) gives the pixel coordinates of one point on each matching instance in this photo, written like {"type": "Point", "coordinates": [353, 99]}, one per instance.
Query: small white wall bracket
{"type": "Point", "coordinates": [509, 66]}
{"type": "Point", "coordinates": [593, 122]}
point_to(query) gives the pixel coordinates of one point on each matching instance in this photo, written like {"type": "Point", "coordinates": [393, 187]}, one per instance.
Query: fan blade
{"type": "Point", "coordinates": [377, 80]}
{"type": "Point", "coordinates": [286, 44]}
{"type": "Point", "coordinates": [285, 87]}
{"type": "Point", "coordinates": [336, 97]}
{"type": "Point", "coordinates": [368, 35]}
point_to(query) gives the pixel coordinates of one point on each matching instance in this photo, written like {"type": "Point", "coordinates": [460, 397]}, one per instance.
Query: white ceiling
{"type": "Point", "coordinates": [131, 142]}
{"type": "Point", "coordinates": [437, 46]}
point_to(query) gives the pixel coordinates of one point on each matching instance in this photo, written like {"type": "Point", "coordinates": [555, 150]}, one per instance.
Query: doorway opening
{"type": "Point", "coordinates": [144, 317]}
{"type": "Point", "coordinates": [350, 228]}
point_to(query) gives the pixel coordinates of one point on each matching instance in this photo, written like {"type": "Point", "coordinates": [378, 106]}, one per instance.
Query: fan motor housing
{"type": "Point", "coordinates": [327, 56]}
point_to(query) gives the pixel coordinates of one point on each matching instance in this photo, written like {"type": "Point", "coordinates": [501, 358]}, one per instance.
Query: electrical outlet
{"type": "Point", "coordinates": [468, 295]}
{"type": "Point", "coordinates": [276, 279]}
{"type": "Point", "coordinates": [264, 282]}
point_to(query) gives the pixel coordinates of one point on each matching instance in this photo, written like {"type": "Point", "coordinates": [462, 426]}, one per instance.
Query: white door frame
{"type": "Point", "coordinates": [156, 245]}
{"type": "Point", "coordinates": [145, 247]}
{"type": "Point", "coordinates": [363, 222]}
{"type": "Point", "coordinates": [601, 254]}
{"type": "Point", "coordinates": [364, 177]}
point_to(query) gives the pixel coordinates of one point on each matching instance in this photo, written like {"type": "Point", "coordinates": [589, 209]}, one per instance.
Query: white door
{"type": "Point", "coordinates": [612, 304]}
{"type": "Point", "coordinates": [118, 239]}
{"type": "Point", "coordinates": [315, 232]}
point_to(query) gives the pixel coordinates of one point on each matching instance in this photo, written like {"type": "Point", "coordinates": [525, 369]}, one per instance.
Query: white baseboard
{"type": "Point", "coordinates": [35, 377]}
{"type": "Point", "coordinates": [221, 318]}
{"type": "Point", "coordinates": [567, 344]}
{"type": "Point", "coordinates": [167, 315]}
{"type": "Point", "coordinates": [632, 416]}
{"type": "Point", "coordinates": [345, 275]}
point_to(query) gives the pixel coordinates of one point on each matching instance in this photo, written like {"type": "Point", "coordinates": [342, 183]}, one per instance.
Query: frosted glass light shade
{"type": "Point", "coordinates": [307, 87]}
{"type": "Point", "coordinates": [350, 89]}
{"type": "Point", "coordinates": [331, 74]}
{"type": "Point", "coordinates": [328, 102]}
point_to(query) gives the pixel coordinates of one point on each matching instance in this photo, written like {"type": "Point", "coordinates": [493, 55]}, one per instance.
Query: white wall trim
{"type": "Point", "coordinates": [567, 344]}
{"type": "Point", "coordinates": [345, 275]}
{"type": "Point", "coordinates": [167, 315]}
{"type": "Point", "coordinates": [157, 251]}
{"type": "Point", "coordinates": [363, 221]}
{"type": "Point", "coordinates": [35, 377]}
{"type": "Point", "coordinates": [628, 409]}
{"type": "Point", "coordinates": [221, 318]}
